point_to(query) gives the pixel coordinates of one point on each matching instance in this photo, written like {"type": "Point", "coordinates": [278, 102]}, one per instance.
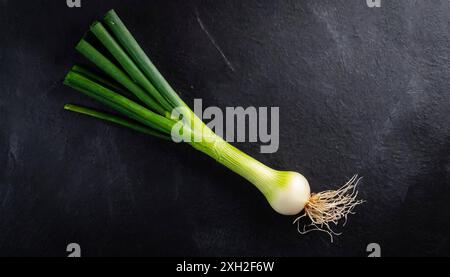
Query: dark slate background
{"type": "Point", "coordinates": [360, 90]}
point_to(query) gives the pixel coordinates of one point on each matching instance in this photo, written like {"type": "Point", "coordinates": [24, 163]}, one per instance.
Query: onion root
{"type": "Point", "coordinates": [328, 207]}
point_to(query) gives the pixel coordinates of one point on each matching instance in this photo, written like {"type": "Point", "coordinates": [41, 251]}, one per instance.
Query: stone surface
{"type": "Point", "coordinates": [360, 90]}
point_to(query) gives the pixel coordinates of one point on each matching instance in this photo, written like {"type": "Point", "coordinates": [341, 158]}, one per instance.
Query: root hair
{"type": "Point", "coordinates": [329, 207]}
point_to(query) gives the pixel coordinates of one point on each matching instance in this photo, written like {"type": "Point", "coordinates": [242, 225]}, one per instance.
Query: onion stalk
{"type": "Point", "coordinates": [146, 102]}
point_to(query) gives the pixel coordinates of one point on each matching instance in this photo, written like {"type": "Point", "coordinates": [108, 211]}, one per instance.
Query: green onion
{"type": "Point", "coordinates": [135, 51]}
{"type": "Point", "coordinates": [115, 119]}
{"type": "Point", "coordinates": [117, 74]}
{"type": "Point", "coordinates": [287, 192]}
{"type": "Point", "coordinates": [102, 81]}
{"type": "Point", "coordinates": [138, 77]}
{"type": "Point", "coordinates": [118, 102]}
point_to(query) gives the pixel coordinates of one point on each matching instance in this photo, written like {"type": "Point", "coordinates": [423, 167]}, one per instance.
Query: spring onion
{"type": "Point", "coordinates": [134, 88]}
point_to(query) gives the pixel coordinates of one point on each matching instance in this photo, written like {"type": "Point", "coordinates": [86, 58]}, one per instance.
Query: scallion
{"type": "Point", "coordinates": [287, 192]}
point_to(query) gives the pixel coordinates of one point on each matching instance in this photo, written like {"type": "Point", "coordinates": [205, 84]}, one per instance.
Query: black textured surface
{"type": "Point", "coordinates": [360, 90]}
